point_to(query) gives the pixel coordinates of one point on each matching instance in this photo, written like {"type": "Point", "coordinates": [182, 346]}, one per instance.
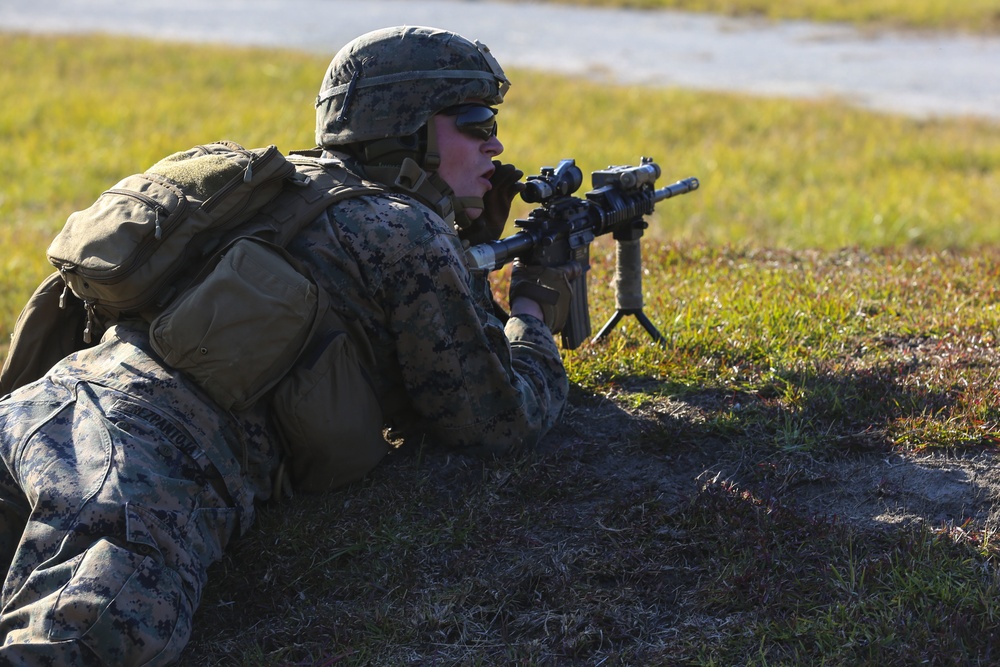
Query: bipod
{"type": "Point", "coordinates": [628, 282]}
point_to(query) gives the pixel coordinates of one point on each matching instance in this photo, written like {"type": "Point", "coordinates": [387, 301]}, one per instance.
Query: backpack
{"type": "Point", "coordinates": [194, 246]}
{"type": "Point", "coordinates": [151, 235]}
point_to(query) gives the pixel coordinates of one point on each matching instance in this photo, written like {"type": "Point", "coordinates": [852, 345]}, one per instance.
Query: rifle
{"type": "Point", "coordinates": [562, 228]}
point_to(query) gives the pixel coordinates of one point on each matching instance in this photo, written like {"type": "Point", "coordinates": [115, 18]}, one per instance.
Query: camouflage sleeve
{"type": "Point", "coordinates": [537, 361]}
{"type": "Point", "coordinates": [475, 383]}
{"type": "Point", "coordinates": [464, 377]}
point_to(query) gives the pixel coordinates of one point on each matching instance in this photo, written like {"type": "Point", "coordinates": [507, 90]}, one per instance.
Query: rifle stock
{"type": "Point", "coordinates": [563, 226]}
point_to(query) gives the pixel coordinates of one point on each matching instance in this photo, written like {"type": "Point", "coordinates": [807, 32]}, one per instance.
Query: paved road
{"type": "Point", "coordinates": [929, 75]}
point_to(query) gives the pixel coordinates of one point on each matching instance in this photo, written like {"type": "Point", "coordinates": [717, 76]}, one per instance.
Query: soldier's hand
{"type": "Point", "coordinates": [496, 205]}
{"type": "Point", "coordinates": [551, 287]}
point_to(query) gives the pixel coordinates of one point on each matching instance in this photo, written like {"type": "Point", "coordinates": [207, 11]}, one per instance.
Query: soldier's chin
{"type": "Point", "coordinates": [473, 213]}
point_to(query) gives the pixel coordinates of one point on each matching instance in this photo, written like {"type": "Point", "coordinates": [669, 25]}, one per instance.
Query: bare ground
{"type": "Point", "coordinates": [565, 555]}
{"type": "Point", "coordinates": [871, 487]}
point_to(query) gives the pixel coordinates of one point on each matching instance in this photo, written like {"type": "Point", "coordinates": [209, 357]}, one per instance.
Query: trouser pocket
{"type": "Point", "coordinates": [126, 521]}
{"type": "Point", "coordinates": [127, 608]}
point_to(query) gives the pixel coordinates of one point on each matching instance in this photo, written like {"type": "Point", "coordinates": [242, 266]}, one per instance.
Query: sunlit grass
{"type": "Point", "coordinates": [775, 173]}
{"type": "Point", "coordinates": [831, 288]}
{"type": "Point", "coordinates": [81, 112]}
{"type": "Point", "coordinates": [896, 341]}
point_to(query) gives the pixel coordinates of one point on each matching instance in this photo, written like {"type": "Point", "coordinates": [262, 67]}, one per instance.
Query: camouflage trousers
{"type": "Point", "coordinates": [110, 515]}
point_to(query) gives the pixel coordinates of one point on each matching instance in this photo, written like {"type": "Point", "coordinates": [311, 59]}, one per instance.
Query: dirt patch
{"type": "Point", "coordinates": [663, 444]}
{"type": "Point", "coordinates": [933, 489]}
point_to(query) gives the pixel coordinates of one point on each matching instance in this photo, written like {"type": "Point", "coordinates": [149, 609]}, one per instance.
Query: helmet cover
{"type": "Point", "coordinates": [389, 82]}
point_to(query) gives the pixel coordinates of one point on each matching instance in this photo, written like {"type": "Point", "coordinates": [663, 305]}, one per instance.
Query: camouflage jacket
{"type": "Point", "coordinates": [444, 363]}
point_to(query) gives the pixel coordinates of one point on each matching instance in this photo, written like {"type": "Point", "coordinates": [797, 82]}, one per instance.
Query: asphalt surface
{"type": "Point", "coordinates": [919, 75]}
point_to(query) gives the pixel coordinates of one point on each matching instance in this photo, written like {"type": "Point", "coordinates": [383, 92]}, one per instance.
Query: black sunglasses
{"type": "Point", "coordinates": [475, 120]}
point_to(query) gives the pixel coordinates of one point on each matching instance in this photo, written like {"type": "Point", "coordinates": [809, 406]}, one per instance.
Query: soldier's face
{"type": "Point", "coordinates": [466, 158]}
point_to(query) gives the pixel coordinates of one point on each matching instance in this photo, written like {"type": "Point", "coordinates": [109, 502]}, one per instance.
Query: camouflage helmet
{"type": "Point", "coordinates": [389, 82]}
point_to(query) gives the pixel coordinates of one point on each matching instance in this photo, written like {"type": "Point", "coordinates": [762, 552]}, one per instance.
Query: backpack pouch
{"type": "Point", "coordinates": [105, 243]}
{"type": "Point", "coordinates": [239, 331]}
{"type": "Point", "coordinates": [328, 411]}
{"type": "Point", "coordinates": [47, 330]}
{"type": "Point", "coordinates": [124, 253]}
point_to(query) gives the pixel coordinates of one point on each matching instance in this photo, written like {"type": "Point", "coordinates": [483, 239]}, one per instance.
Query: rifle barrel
{"type": "Point", "coordinates": [678, 188]}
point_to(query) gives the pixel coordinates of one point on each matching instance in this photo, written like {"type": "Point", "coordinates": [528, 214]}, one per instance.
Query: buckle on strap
{"type": "Point", "coordinates": [410, 177]}
{"type": "Point", "coordinates": [502, 81]}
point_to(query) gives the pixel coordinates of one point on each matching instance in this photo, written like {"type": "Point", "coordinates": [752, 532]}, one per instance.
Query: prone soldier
{"type": "Point", "coordinates": [123, 480]}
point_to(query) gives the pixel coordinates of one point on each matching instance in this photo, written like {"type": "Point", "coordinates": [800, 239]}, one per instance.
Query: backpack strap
{"type": "Point", "coordinates": [319, 182]}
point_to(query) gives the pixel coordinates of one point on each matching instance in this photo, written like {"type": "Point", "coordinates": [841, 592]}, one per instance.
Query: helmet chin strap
{"type": "Point", "coordinates": [462, 218]}
{"type": "Point", "coordinates": [418, 180]}
{"type": "Point", "coordinates": [425, 186]}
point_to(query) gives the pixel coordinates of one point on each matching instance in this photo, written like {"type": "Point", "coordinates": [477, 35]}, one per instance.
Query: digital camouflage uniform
{"type": "Point", "coordinates": [134, 482]}
{"type": "Point", "coordinates": [122, 481]}
{"type": "Point", "coordinates": [396, 263]}
{"type": "Point", "coordinates": [444, 361]}
{"type": "Point", "coordinates": [121, 484]}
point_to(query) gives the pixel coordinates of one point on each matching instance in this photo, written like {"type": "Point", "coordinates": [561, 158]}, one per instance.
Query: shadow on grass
{"type": "Point", "coordinates": [825, 413]}
{"type": "Point", "coordinates": [625, 541]}
{"type": "Point", "coordinates": [878, 445]}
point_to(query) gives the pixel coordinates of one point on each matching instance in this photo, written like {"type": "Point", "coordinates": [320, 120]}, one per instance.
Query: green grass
{"type": "Point", "coordinates": [80, 113]}
{"type": "Point", "coordinates": [838, 340]}
{"type": "Point", "coordinates": [828, 298]}
{"type": "Point", "coordinates": [971, 16]}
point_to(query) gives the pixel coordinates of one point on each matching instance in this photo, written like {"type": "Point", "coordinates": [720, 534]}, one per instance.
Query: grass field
{"type": "Point", "coordinates": [829, 301]}
{"type": "Point", "coordinates": [970, 16]}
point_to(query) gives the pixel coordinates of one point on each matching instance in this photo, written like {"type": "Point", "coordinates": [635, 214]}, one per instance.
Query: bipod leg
{"type": "Point", "coordinates": [608, 325]}
{"type": "Point", "coordinates": [639, 315]}
{"type": "Point", "coordinates": [648, 326]}
{"type": "Point", "coordinates": [628, 287]}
